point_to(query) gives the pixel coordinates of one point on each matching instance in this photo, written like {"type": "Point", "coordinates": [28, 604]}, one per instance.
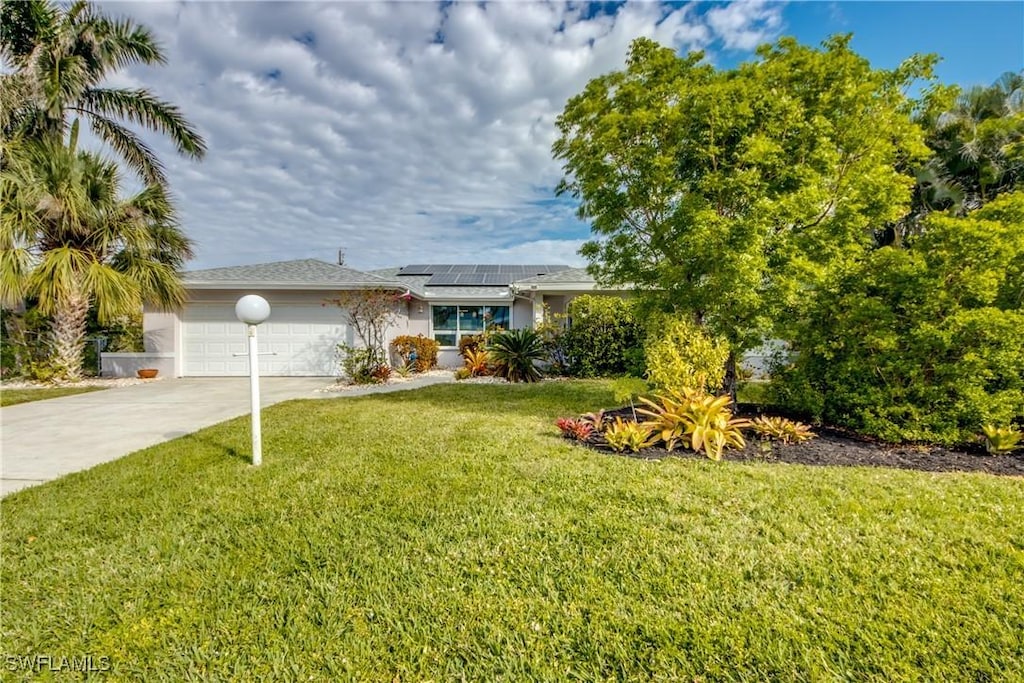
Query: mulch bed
{"type": "Point", "coordinates": [836, 447]}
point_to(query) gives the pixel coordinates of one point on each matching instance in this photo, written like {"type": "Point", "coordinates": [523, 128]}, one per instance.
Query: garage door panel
{"type": "Point", "coordinates": [303, 340]}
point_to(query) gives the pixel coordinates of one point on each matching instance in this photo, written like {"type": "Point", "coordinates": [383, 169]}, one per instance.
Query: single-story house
{"type": "Point", "coordinates": [444, 302]}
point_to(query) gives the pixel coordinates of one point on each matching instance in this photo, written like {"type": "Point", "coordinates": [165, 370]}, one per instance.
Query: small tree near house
{"type": "Point", "coordinates": [370, 312]}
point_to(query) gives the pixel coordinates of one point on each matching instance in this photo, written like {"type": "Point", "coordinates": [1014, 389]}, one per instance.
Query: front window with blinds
{"type": "Point", "coordinates": [450, 323]}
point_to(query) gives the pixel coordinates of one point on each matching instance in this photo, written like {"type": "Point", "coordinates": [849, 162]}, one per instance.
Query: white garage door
{"type": "Point", "coordinates": [303, 339]}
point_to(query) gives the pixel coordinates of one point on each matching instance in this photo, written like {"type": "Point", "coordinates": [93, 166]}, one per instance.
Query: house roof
{"type": "Point", "coordinates": [304, 274]}
{"type": "Point", "coordinates": [569, 275]}
{"type": "Point", "coordinates": [439, 282]}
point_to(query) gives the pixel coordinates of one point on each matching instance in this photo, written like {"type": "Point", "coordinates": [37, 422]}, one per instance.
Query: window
{"type": "Point", "coordinates": [453, 322]}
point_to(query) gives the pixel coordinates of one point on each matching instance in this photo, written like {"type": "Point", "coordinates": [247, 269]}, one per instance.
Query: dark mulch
{"type": "Point", "coordinates": [837, 447]}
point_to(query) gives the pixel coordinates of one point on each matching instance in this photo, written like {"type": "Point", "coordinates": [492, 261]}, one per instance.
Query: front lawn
{"type": "Point", "coordinates": [448, 533]}
{"type": "Point", "coordinates": [10, 397]}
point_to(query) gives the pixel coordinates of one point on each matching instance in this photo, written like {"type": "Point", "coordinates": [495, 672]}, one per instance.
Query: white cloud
{"type": "Point", "coordinates": [404, 132]}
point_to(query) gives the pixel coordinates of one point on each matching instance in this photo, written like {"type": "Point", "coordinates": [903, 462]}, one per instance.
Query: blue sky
{"type": "Point", "coordinates": [421, 132]}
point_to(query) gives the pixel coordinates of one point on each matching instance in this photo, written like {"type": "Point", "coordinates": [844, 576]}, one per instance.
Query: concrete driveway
{"type": "Point", "coordinates": [44, 440]}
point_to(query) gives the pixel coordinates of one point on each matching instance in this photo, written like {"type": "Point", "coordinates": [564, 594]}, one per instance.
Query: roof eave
{"type": "Point", "coordinates": [257, 284]}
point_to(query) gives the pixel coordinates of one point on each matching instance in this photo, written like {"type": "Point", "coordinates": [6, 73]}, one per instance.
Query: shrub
{"type": "Point", "coordinates": [781, 429]}
{"type": "Point", "coordinates": [419, 352]}
{"type": "Point", "coordinates": [924, 343]}
{"type": "Point", "coordinates": [463, 373]}
{"type": "Point", "coordinates": [680, 354]}
{"type": "Point", "coordinates": [475, 342]}
{"type": "Point", "coordinates": [552, 333]}
{"type": "Point", "coordinates": [627, 435]}
{"type": "Point", "coordinates": [515, 354]}
{"type": "Point", "coordinates": [362, 366]}
{"type": "Point", "coordinates": [1000, 439]}
{"type": "Point", "coordinates": [603, 331]}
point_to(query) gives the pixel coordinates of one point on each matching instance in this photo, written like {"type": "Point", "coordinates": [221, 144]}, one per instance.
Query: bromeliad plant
{"type": "Point", "coordinates": [781, 429]}
{"type": "Point", "coordinates": [478, 362]}
{"type": "Point", "coordinates": [623, 435]}
{"type": "Point", "coordinates": [696, 420]}
{"type": "Point", "coordinates": [1000, 439]}
{"type": "Point", "coordinates": [577, 430]}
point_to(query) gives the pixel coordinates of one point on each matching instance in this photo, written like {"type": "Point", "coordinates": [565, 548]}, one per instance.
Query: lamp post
{"type": "Point", "coordinates": [253, 310]}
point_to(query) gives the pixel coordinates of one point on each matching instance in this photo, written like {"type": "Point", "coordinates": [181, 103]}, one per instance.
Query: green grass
{"type": "Point", "coordinates": [447, 533]}
{"type": "Point", "coordinates": [10, 397]}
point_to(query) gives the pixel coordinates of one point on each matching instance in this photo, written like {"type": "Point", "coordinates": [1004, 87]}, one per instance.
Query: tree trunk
{"type": "Point", "coordinates": [67, 336]}
{"type": "Point", "coordinates": [729, 383]}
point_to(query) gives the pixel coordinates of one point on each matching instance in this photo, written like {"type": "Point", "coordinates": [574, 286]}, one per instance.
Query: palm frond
{"type": "Point", "coordinates": [15, 268]}
{"type": "Point", "coordinates": [141, 107]}
{"type": "Point", "coordinates": [139, 156]}
{"type": "Point", "coordinates": [57, 277]}
{"type": "Point", "coordinates": [115, 293]}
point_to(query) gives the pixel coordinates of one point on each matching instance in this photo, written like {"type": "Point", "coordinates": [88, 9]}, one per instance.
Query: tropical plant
{"type": "Point", "coordinates": [781, 429]}
{"type": "Point", "coordinates": [1001, 439]}
{"type": "Point", "coordinates": [597, 419]}
{"type": "Point", "coordinates": [515, 355]}
{"type": "Point", "coordinates": [713, 427]}
{"type": "Point", "coordinates": [576, 429]}
{"type": "Point", "coordinates": [70, 241]}
{"type": "Point", "coordinates": [626, 435]}
{"type": "Point", "coordinates": [58, 58]}
{"type": "Point", "coordinates": [419, 353]}
{"type": "Point", "coordinates": [680, 353]}
{"type": "Point", "coordinates": [478, 362]}
{"type": "Point", "coordinates": [671, 416]}
{"type": "Point", "coordinates": [696, 420]}
{"type": "Point", "coordinates": [462, 373]}
{"type": "Point", "coordinates": [472, 342]}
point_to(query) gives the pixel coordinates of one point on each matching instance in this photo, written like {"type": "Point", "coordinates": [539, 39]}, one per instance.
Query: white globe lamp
{"type": "Point", "coordinates": [252, 310]}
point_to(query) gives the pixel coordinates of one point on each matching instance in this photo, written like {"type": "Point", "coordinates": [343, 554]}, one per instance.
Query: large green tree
{"type": "Point", "coordinates": [56, 59]}
{"type": "Point", "coordinates": [69, 240]}
{"type": "Point", "coordinates": [726, 194]}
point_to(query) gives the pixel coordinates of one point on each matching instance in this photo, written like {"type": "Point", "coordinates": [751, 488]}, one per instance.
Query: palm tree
{"type": "Point", "coordinates": [70, 241]}
{"type": "Point", "coordinates": [977, 141]}
{"type": "Point", "coordinates": [57, 59]}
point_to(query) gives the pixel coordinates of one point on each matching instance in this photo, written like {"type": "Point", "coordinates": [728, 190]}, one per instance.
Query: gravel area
{"type": "Point", "coordinates": [343, 384]}
{"type": "Point", "coordinates": [105, 382]}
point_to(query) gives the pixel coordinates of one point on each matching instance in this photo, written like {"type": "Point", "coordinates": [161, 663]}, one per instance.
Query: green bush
{"type": "Point", "coordinates": [604, 337]}
{"type": "Point", "coordinates": [363, 365]}
{"type": "Point", "coordinates": [921, 343]}
{"type": "Point", "coordinates": [425, 348]}
{"type": "Point", "coordinates": [680, 354]}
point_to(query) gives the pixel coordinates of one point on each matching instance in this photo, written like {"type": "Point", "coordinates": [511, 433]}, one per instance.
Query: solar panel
{"type": "Point", "coordinates": [416, 270]}
{"type": "Point", "coordinates": [497, 279]}
{"type": "Point", "coordinates": [443, 279]}
{"type": "Point", "coordinates": [471, 278]}
{"type": "Point", "coordinates": [488, 269]}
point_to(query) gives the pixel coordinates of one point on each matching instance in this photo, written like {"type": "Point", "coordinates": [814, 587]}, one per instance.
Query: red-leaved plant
{"type": "Point", "coordinates": [578, 430]}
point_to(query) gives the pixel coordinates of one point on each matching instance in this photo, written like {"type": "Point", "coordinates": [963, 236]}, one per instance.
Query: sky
{"type": "Point", "coordinates": [417, 132]}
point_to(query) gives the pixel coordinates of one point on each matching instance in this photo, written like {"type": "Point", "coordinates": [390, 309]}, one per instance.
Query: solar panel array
{"type": "Point", "coordinates": [476, 275]}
